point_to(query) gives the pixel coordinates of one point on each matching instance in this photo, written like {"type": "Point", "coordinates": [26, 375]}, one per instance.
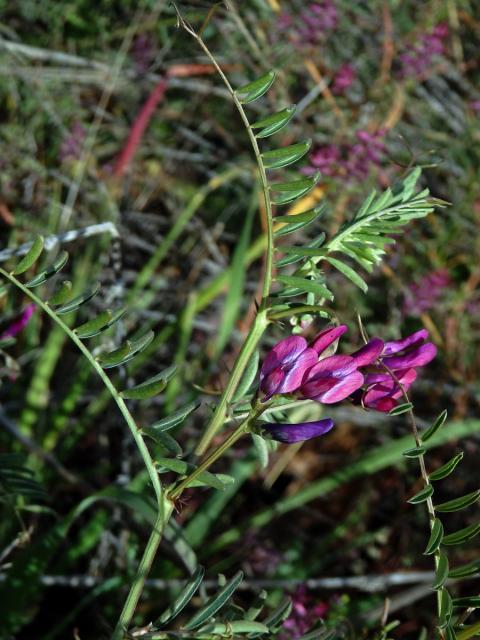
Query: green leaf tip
{"type": "Point", "coordinates": [256, 89]}
{"type": "Point", "coordinates": [276, 122]}
{"type": "Point", "coordinates": [49, 271]}
{"type": "Point", "coordinates": [30, 257]}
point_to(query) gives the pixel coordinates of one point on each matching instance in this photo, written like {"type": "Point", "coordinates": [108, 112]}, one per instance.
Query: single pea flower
{"type": "Point", "coordinates": [291, 433]}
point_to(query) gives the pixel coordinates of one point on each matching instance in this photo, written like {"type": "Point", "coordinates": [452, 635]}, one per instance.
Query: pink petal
{"type": "Point", "coordinates": [341, 388]}
{"type": "Point", "coordinates": [419, 357]}
{"type": "Point", "coordinates": [337, 366]}
{"type": "Point", "coordinates": [283, 352]}
{"type": "Point", "coordinates": [326, 337]}
{"type": "Point", "coordinates": [369, 353]}
{"type": "Point", "coordinates": [295, 372]}
{"type": "Point", "coordinates": [398, 345]}
{"type": "Point", "coordinates": [271, 383]}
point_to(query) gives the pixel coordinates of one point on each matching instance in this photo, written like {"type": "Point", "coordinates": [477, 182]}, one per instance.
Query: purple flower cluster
{"type": "Point", "coordinates": [349, 161]}
{"type": "Point", "coordinates": [397, 370]}
{"type": "Point", "coordinates": [418, 59]}
{"type": "Point", "coordinates": [142, 52]}
{"type": "Point", "coordinates": [424, 295]}
{"type": "Point", "coordinates": [19, 324]}
{"type": "Point", "coordinates": [343, 79]}
{"type": "Point", "coordinates": [312, 24]}
{"type": "Point", "coordinates": [374, 376]}
{"type": "Point", "coordinates": [305, 613]}
{"type": "Point", "coordinates": [71, 146]}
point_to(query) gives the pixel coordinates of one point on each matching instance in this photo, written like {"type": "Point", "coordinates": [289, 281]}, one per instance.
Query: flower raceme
{"type": "Point", "coordinates": [375, 376]}
{"type": "Point", "coordinates": [402, 358]}
{"type": "Point", "coordinates": [294, 366]}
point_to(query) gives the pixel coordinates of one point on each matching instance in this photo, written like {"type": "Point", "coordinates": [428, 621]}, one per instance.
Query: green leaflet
{"type": "Point", "coordinates": [458, 503]}
{"type": "Point", "coordinates": [215, 603]}
{"type": "Point", "coordinates": [469, 601]}
{"type": "Point", "coordinates": [441, 573]}
{"type": "Point", "coordinates": [447, 468]}
{"type": "Point", "coordinates": [298, 221]}
{"type": "Point", "coordinates": [349, 273]}
{"type": "Point", "coordinates": [30, 257]}
{"type": "Point", "coordinates": [276, 122]}
{"type": "Point", "coordinates": [435, 426]}
{"type": "Point", "coordinates": [175, 419]}
{"type": "Point", "coordinates": [281, 613]}
{"type": "Point", "coordinates": [184, 597]}
{"type": "Point", "coordinates": [223, 629]}
{"type": "Point", "coordinates": [150, 387]}
{"type": "Point", "coordinates": [470, 569]}
{"type": "Point", "coordinates": [102, 322]}
{"type": "Point", "coordinates": [463, 535]}
{"type": "Point", "coordinates": [256, 89]}
{"type": "Point", "coordinates": [49, 271]}
{"type": "Point", "coordinates": [164, 440]}
{"type": "Point", "coordinates": [286, 156]}
{"type": "Point", "coordinates": [401, 408]}
{"type": "Point", "coordinates": [310, 286]}
{"type": "Point", "coordinates": [295, 254]}
{"type": "Point", "coordinates": [290, 191]}
{"type": "Point", "coordinates": [77, 302]}
{"type": "Point", "coordinates": [126, 352]}
{"type": "Point", "coordinates": [436, 537]}
{"type": "Point", "coordinates": [261, 449]}
{"type": "Point", "coordinates": [206, 478]}
{"type": "Point", "coordinates": [446, 607]}
{"type": "Point", "coordinates": [62, 294]}
{"type": "Point", "coordinates": [248, 377]}
{"type": "Point", "coordinates": [414, 453]}
{"type": "Point", "coordinates": [422, 495]}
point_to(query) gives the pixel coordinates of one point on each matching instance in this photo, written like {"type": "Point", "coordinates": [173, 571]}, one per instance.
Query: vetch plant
{"type": "Point", "coordinates": [376, 376]}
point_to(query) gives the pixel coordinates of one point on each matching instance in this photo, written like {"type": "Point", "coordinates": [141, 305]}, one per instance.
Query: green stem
{"type": "Point", "coordinates": [256, 331]}
{"type": "Point", "coordinates": [142, 447]}
{"type": "Point", "coordinates": [260, 324]}
{"type": "Point", "coordinates": [423, 471]}
{"type": "Point", "coordinates": [164, 511]}
{"type": "Point", "coordinates": [219, 451]}
{"type": "Point", "coordinates": [143, 571]}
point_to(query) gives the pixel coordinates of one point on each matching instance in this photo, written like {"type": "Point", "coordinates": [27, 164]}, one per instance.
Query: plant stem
{"type": "Point", "coordinates": [164, 509]}
{"type": "Point", "coordinates": [256, 331]}
{"type": "Point", "coordinates": [423, 471]}
{"type": "Point", "coordinates": [258, 327]}
{"type": "Point", "coordinates": [219, 451]}
{"type": "Point", "coordinates": [143, 571]}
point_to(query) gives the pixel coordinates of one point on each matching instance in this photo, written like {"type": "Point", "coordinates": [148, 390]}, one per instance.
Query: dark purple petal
{"type": "Point", "coordinates": [290, 433]}
{"type": "Point", "coordinates": [337, 366]}
{"type": "Point", "coordinates": [18, 325]}
{"type": "Point", "coordinates": [399, 345]}
{"type": "Point", "coordinates": [339, 388]}
{"type": "Point", "coordinates": [271, 383]}
{"type": "Point", "coordinates": [367, 354]}
{"type": "Point", "coordinates": [418, 357]}
{"type": "Point", "coordinates": [295, 371]}
{"type": "Point", "coordinates": [326, 337]}
{"type": "Point", "coordinates": [284, 352]}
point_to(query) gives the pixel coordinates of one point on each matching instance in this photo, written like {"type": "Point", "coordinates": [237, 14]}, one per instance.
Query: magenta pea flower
{"type": "Point", "coordinates": [336, 377]}
{"type": "Point", "coordinates": [403, 357]}
{"type": "Point", "coordinates": [283, 368]}
{"type": "Point", "coordinates": [294, 366]}
{"type": "Point", "coordinates": [290, 433]}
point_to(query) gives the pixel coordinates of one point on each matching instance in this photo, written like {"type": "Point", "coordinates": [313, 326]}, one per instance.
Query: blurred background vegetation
{"type": "Point", "coordinates": [110, 114]}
